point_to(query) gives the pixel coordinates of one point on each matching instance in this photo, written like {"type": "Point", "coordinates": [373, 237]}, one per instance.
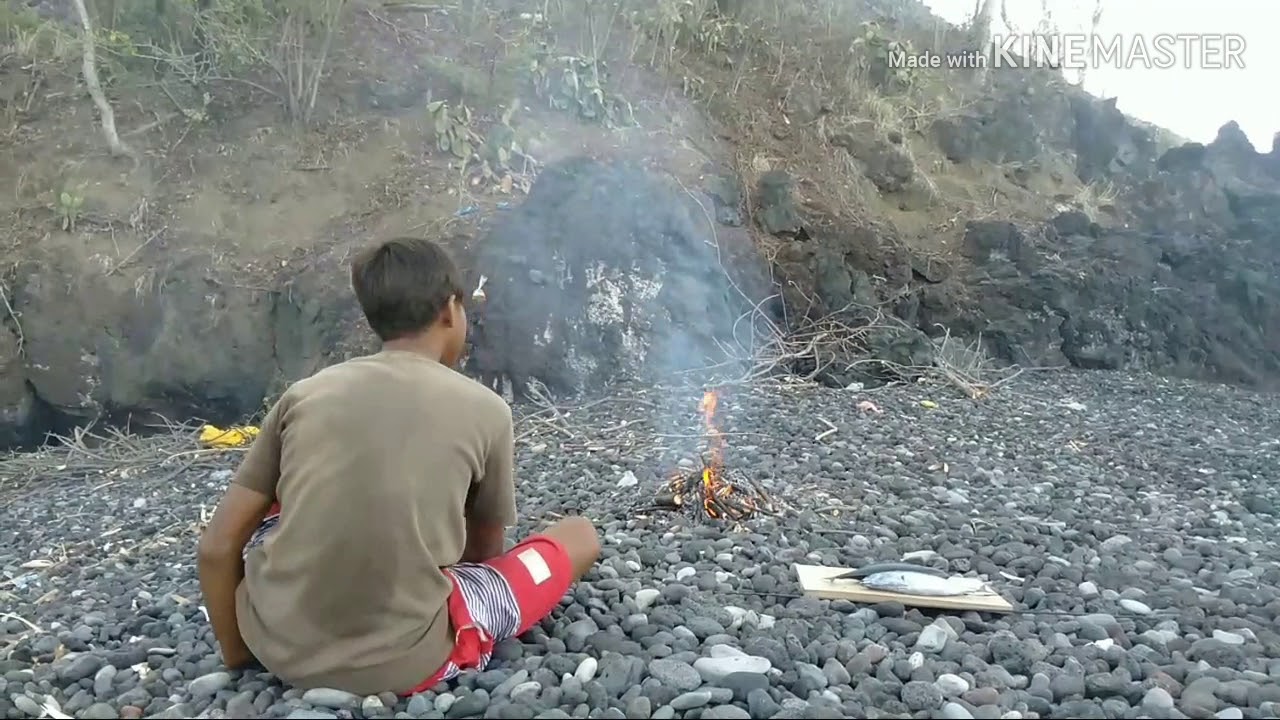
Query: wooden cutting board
{"type": "Point", "coordinates": [816, 582]}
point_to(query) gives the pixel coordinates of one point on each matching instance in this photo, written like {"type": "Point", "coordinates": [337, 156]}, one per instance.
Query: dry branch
{"type": "Point", "coordinates": [302, 76]}
{"type": "Point", "coordinates": [117, 146]}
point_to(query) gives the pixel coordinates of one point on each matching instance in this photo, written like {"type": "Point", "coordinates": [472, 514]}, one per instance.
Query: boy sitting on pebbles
{"type": "Point", "coordinates": [360, 544]}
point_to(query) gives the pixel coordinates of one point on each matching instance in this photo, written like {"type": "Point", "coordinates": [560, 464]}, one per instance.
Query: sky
{"type": "Point", "coordinates": [1197, 96]}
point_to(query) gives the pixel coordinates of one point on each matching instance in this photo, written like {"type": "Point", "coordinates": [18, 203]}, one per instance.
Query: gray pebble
{"type": "Point", "coordinates": [331, 698]}
{"type": "Point", "coordinates": [690, 700]}
{"type": "Point", "coordinates": [209, 685]}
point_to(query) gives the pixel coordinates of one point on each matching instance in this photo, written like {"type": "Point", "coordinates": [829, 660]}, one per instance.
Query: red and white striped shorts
{"type": "Point", "coordinates": [491, 601]}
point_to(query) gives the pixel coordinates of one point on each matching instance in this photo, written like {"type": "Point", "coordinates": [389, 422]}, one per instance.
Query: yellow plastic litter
{"type": "Point", "coordinates": [928, 404]}
{"type": "Point", "coordinates": [212, 436]}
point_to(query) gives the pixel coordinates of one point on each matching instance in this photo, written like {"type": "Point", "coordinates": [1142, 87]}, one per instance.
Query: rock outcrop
{"type": "Point", "coordinates": [86, 345]}
{"type": "Point", "coordinates": [606, 271]}
{"type": "Point", "coordinates": [1190, 288]}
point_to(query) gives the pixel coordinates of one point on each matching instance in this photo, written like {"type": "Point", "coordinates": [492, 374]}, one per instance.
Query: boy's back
{"type": "Point", "coordinates": [362, 543]}
{"type": "Point", "coordinates": [381, 460]}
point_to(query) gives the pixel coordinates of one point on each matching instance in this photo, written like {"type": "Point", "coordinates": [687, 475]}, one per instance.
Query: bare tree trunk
{"type": "Point", "coordinates": [331, 23]}
{"type": "Point", "coordinates": [117, 146]}
{"type": "Point", "coordinates": [1094, 22]}
{"type": "Point", "coordinates": [983, 20]}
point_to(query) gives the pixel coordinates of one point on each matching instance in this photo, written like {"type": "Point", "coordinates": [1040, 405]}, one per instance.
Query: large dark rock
{"type": "Point", "coordinates": [1020, 122]}
{"type": "Point", "coordinates": [85, 344]}
{"type": "Point", "coordinates": [607, 271]}
{"type": "Point", "coordinates": [1106, 143]}
{"type": "Point", "coordinates": [1187, 305]}
{"type": "Point", "coordinates": [881, 160]}
{"type": "Point", "coordinates": [776, 205]}
{"type": "Point", "coordinates": [1191, 287]}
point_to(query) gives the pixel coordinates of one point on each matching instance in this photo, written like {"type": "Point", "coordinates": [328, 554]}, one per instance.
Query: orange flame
{"type": "Point", "coordinates": [711, 471]}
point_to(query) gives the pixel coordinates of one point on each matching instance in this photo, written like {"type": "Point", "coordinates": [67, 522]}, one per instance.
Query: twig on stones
{"type": "Point", "coordinates": [826, 433]}
{"type": "Point", "coordinates": [963, 366]}
{"type": "Point", "coordinates": [13, 616]}
{"type": "Point", "coordinates": [812, 347]}
{"type": "Point", "coordinates": [539, 394]}
{"type": "Point", "coordinates": [558, 428]}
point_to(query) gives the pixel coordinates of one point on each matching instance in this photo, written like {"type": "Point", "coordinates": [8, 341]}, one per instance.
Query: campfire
{"type": "Point", "coordinates": [714, 492]}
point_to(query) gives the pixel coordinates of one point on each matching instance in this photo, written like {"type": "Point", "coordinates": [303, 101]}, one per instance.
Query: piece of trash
{"type": "Point", "coordinates": [38, 564]}
{"type": "Point", "coordinates": [478, 293]}
{"type": "Point", "coordinates": [1073, 405]}
{"type": "Point", "coordinates": [854, 386]}
{"type": "Point", "coordinates": [868, 406]}
{"type": "Point", "coordinates": [928, 404]}
{"type": "Point", "coordinates": [24, 581]}
{"type": "Point", "coordinates": [212, 436]}
{"type": "Point", "coordinates": [629, 479]}
{"type": "Point", "coordinates": [468, 210]}
{"type": "Point", "coordinates": [205, 612]}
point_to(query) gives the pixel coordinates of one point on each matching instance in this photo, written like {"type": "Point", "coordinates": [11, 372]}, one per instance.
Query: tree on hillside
{"type": "Point", "coordinates": [1047, 24]}
{"type": "Point", "coordinates": [1094, 22]}
{"type": "Point", "coordinates": [90, 70]}
{"type": "Point", "coordinates": [984, 16]}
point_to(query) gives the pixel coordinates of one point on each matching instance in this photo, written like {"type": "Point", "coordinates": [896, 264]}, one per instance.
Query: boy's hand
{"type": "Point", "coordinates": [237, 658]}
{"type": "Point", "coordinates": [221, 566]}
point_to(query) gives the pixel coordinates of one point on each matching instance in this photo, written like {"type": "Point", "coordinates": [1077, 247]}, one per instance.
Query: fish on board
{"type": "Point", "coordinates": [910, 582]}
{"type": "Point", "coordinates": [873, 568]}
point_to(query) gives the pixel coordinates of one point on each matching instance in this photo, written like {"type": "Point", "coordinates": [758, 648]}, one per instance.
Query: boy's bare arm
{"type": "Point", "coordinates": [221, 566]}
{"type": "Point", "coordinates": [485, 541]}
{"type": "Point", "coordinates": [492, 506]}
{"type": "Point", "coordinates": [221, 552]}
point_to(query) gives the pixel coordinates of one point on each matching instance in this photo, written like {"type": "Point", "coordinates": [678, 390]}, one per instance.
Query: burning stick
{"type": "Point", "coordinates": [711, 491]}
{"type": "Point", "coordinates": [726, 499]}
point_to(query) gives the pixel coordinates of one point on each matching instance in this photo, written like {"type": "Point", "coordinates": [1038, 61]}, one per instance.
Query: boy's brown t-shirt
{"type": "Point", "coordinates": [376, 462]}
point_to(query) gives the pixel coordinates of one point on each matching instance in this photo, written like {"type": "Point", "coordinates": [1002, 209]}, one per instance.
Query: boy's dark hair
{"type": "Point", "coordinates": [403, 284]}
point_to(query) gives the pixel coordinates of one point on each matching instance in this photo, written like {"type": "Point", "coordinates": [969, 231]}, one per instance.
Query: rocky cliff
{"type": "Point", "coordinates": [1035, 218]}
{"type": "Point", "coordinates": [1188, 285]}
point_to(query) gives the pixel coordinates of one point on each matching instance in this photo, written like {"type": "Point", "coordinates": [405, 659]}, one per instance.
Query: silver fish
{"type": "Point", "coordinates": [873, 568]}
{"type": "Point", "coordinates": [918, 583]}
